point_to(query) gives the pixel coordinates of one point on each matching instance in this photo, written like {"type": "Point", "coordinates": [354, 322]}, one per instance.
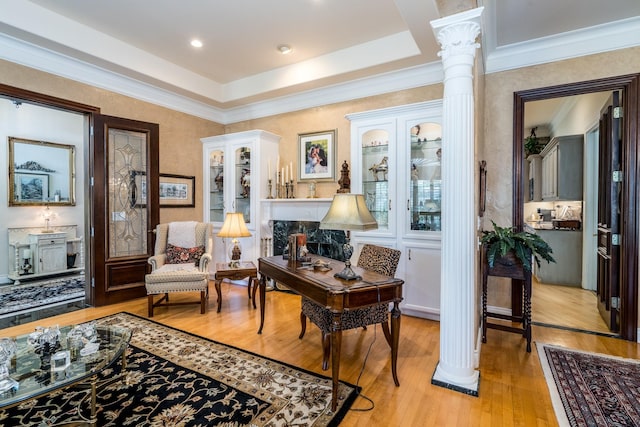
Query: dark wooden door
{"type": "Point", "coordinates": [124, 206]}
{"type": "Point", "coordinates": [609, 192]}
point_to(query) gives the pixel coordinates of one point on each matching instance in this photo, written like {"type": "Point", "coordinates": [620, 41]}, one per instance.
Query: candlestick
{"type": "Point", "coordinates": [269, 187]}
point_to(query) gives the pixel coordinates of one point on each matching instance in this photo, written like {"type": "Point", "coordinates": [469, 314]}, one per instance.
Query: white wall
{"type": "Point", "coordinates": [43, 124]}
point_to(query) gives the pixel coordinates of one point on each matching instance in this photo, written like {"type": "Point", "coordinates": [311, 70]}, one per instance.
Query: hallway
{"type": "Point", "coordinates": [566, 307]}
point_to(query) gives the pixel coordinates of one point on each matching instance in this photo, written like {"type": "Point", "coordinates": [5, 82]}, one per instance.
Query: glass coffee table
{"type": "Point", "coordinates": [32, 375]}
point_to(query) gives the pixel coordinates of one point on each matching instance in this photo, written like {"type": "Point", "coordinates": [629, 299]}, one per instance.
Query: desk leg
{"type": "Point", "coordinates": [336, 344]}
{"type": "Point", "coordinates": [219, 292]}
{"type": "Point", "coordinates": [253, 281]}
{"type": "Point", "coordinates": [395, 339]}
{"type": "Point", "coordinates": [263, 285]}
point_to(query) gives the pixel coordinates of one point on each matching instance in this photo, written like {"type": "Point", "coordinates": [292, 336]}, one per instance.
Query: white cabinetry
{"type": "Point", "coordinates": [50, 250]}
{"type": "Point", "coordinates": [395, 154]}
{"type": "Point", "coordinates": [235, 179]}
{"type": "Point", "coordinates": [33, 253]}
{"type": "Point", "coordinates": [562, 168]}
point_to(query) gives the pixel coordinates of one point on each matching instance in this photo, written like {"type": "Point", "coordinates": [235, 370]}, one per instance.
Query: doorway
{"type": "Point", "coordinates": [111, 275]}
{"type": "Point", "coordinates": [628, 266]}
{"type": "Point", "coordinates": [565, 292]}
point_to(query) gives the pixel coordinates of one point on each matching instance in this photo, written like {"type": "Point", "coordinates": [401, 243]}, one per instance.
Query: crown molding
{"type": "Point", "coordinates": [408, 78]}
{"type": "Point", "coordinates": [27, 54]}
{"type": "Point", "coordinates": [597, 39]}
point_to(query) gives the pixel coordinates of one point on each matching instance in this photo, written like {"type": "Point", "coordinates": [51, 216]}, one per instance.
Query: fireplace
{"type": "Point", "coordinates": [327, 243]}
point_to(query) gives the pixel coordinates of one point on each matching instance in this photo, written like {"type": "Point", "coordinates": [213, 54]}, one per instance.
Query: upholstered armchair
{"type": "Point", "coordinates": [180, 263]}
{"type": "Point", "coordinates": [380, 259]}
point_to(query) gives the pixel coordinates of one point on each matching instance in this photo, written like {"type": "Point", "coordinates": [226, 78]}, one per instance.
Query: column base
{"type": "Point", "coordinates": [470, 388]}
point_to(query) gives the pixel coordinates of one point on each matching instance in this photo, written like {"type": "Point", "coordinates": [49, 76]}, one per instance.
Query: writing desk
{"type": "Point", "coordinates": [336, 295]}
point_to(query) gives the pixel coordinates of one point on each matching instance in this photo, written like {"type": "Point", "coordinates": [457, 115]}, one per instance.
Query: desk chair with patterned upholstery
{"type": "Point", "coordinates": [183, 252]}
{"type": "Point", "coordinates": [380, 259]}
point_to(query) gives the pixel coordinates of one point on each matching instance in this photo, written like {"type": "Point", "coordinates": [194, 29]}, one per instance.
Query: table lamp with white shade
{"type": "Point", "coordinates": [234, 227]}
{"type": "Point", "coordinates": [348, 212]}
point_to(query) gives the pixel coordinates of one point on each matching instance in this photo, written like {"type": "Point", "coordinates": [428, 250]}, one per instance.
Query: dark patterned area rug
{"type": "Point", "coordinates": [589, 389]}
{"type": "Point", "coordinates": [16, 299]}
{"type": "Point", "coordinates": [178, 379]}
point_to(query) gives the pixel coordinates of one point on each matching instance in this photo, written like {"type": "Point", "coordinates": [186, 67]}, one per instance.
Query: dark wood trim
{"type": "Point", "coordinates": [23, 95]}
{"type": "Point", "coordinates": [45, 100]}
{"type": "Point", "coordinates": [630, 86]}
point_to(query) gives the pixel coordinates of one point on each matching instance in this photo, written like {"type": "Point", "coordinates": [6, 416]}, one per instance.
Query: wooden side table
{"type": "Point", "coordinates": [246, 269]}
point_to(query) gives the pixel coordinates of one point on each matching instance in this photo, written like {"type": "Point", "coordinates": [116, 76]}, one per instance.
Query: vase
{"type": "Point", "coordinates": [71, 260]}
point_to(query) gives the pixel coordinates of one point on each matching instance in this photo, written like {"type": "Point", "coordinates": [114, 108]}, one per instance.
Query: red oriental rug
{"type": "Point", "coordinates": [589, 389]}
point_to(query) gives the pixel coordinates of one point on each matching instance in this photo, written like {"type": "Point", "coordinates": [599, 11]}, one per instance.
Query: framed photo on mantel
{"type": "Point", "coordinates": [317, 156]}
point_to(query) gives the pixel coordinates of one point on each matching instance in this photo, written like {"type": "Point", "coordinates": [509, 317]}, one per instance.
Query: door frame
{"type": "Point", "coordinates": [86, 110]}
{"type": "Point", "coordinates": [629, 84]}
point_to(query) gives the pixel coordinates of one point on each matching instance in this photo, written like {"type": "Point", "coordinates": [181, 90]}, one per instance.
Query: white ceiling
{"type": "Point", "coordinates": [353, 47]}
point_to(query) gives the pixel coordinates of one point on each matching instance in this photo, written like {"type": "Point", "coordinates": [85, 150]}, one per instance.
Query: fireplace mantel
{"type": "Point", "coordinates": [295, 209]}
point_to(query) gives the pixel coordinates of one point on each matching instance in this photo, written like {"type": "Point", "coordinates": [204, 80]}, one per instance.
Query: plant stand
{"type": "Point", "coordinates": [508, 266]}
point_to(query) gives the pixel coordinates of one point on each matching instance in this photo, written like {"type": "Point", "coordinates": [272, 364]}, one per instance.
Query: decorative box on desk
{"type": "Point", "coordinates": [34, 253]}
{"type": "Point", "coordinates": [510, 267]}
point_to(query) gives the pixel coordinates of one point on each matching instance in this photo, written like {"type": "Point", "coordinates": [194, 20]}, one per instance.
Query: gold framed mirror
{"type": "Point", "coordinates": [41, 173]}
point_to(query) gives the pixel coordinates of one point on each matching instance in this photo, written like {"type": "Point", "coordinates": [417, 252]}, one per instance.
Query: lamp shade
{"type": "Point", "coordinates": [234, 226]}
{"type": "Point", "coordinates": [348, 212]}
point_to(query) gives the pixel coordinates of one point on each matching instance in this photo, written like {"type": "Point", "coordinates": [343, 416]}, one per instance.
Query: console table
{"type": "Point", "coordinates": [34, 253]}
{"type": "Point", "coordinates": [337, 295]}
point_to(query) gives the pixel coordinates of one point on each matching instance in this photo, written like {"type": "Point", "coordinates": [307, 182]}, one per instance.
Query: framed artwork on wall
{"type": "Point", "coordinates": [317, 156]}
{"type": "Point", "coordinates": [31, 187]}
{"type": "Point", "coordinates": [177, 191]}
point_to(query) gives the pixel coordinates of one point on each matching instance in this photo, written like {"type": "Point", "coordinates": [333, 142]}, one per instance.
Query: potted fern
{"type": "Point", "coordinates": [505, 246]}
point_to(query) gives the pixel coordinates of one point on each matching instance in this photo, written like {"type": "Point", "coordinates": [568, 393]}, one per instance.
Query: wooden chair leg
{"type": "Point", "coordinates": [203, 303]}
{"type": "Point", "coordinates": [150, 304]}
{"type": "Point", "coordinates": [303, 325]}
{"type": "Point", "coordinates": [326, 350]}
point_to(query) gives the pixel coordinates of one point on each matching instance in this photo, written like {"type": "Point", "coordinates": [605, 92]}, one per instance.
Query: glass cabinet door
{"type": "Point", "coordinates": [425, 179]}
{"type": "Point", "coordinates": [243, 185]}
{"type": "Point", "coordinates": [216, 186]}
{"type": "Point", "coordinates": [375, 179]}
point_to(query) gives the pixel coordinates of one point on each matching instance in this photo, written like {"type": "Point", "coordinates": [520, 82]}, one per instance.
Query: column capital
{"type": "Point", "coordinates": [457, 33]}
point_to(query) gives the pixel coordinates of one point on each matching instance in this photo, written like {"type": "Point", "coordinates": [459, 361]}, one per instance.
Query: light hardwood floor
{"type": "Point", "coordinates": [512, 392]}
{"type": "Point", "coordinates": [566, 306]}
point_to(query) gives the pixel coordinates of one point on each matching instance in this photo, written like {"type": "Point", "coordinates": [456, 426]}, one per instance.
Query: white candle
{"type": "Point", "coordinates": [269, 169]}
{"type": "Point", "coordinates": [26, 253]}
{"type": "Point", "coordinates": [282, 175]}
{"type": "Point", "coordinates": [291, 169]}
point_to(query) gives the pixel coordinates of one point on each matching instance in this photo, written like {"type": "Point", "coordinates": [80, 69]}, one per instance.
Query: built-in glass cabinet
{"type": "Point", "coordinates": [216, 186]}
{"type": "Point", "coordinates": [230, 161]}
{"type": "Point", "coordinates": [375, 176]}
{"type": "Point", "coordinates": [425, 180]}
{"type": "Point", "coordinates": [396, 156]}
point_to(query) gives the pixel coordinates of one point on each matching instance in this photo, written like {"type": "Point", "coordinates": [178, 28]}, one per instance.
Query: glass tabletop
{"type": "Point", "coordinates": [37, 368]}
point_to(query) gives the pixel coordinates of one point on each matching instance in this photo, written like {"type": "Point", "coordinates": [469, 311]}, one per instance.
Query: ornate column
{"type": "Point", "coordinates": [456, 368]}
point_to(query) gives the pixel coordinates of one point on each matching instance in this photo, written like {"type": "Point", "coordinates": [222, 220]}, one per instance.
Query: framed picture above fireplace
{"type": "Point", "coordinates": [317, 156]}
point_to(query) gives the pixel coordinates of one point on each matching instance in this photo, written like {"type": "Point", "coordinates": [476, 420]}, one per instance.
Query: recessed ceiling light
{"type": "Point", "coordinates": [196, 43]}
{"type": "Point", "coordinates": [284, 49]}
